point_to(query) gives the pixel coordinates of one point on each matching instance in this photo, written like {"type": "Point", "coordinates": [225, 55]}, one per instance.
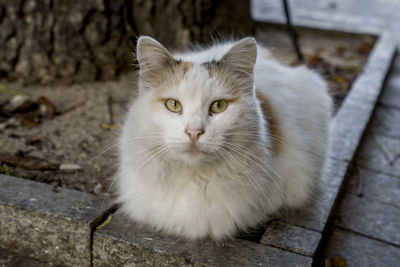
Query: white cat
{"type": "Point", "coordinates": [219, 139]}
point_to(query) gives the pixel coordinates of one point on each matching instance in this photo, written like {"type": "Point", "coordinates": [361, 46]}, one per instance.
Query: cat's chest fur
{"type": "Point", "coordinates": [220, 138]}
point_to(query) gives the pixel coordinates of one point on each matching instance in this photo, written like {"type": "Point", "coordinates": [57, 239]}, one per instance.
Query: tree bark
{"type": "Point", "coordinates": [43, 41]}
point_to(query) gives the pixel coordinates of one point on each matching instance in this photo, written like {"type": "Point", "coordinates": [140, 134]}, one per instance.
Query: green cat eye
{"type": "Point", "coordinates": [173, 105]}
{"type": "Point", "coordinates": [218, 106]}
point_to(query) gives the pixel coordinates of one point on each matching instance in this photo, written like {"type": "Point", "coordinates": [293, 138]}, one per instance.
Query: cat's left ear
{"type": "Point", "coordinates": [241, 58]}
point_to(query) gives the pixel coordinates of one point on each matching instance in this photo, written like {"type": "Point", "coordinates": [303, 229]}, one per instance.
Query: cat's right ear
{"type": "Point", "coordinates": [153, 58]}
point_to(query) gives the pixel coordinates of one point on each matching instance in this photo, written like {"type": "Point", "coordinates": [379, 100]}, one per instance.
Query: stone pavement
{"type": "Point", "coordinates": [368, 218]}
{"type": "Point", "coordinates": [367, 222]}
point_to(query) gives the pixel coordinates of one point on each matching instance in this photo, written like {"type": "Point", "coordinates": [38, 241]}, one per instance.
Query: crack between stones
{"type": "Point", "coordinates": [97, 222]}
{"type": "Point", "coordinates": [367, 236]}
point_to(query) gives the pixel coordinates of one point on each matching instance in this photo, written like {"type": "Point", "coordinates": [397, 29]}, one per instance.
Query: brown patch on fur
{"type": "Point", "coordinates": [217, 70]}
{"type": "Point", "coordinates": [273, 124]}
{"type": "Point", "coordinates": [233, 100]}
{"type": "Point", "coordinates": [185, 65]}
{"type": "Point", "coordinates": [212, 67]}
{"type": "Point", "coordinates": [175, 74]}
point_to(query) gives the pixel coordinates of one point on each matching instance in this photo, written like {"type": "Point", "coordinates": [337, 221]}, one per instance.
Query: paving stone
{"type": "Point", "coordinates": [315, 214]}
{"type": "Point", "coordinates": [333, 174]}
{"type": "Point", "coordinates": [291, 238]}
{"type": "Point", "coordinates": [50, 224]}
{"type": "Point", "coordinates": [353, 116]}
{"type": "Point", "coordinates": [391, 94]}
{"type": "Point", "coordinates": [368, 85]}
{"type": "Point", "coordinates": [124, 243]}
{"type": "Point", "coordinates": [380, 153]}
{"type": "Point", "coordinates": [375, 186]}
{"type": "Point", "coordinates": [347, 129]}
{"type": "Point", "coordinates": [386, 121]}
{"type": "Point", "coordinates": [361, 251]}
{"type": "Point", "coordinates": [370, 218]}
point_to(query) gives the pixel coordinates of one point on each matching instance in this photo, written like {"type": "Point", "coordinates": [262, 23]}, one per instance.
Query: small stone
{"type": "Point", "coordinates": [70, 167]}
{"type": "Point", "coordinates": [16, 102]}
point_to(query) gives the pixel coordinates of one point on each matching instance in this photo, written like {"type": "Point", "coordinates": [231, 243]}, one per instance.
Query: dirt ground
{"type": "Point", "coordinates": [67, 136]}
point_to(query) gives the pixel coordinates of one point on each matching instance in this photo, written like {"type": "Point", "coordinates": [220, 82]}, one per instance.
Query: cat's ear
{"type": "Point", "coordinates": [153, 58]}
{"type": "Point", "coordinates": [241, 58]}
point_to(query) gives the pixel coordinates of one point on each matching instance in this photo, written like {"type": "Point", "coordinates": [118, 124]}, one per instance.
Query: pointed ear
{"type": "Point", "coordinates": [241, 58]}
{"type": "Point", "coordinates": [154, 59]}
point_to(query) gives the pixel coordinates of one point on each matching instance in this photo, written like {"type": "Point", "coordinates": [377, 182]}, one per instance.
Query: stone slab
{"type": "Point", "coordinates": [375, 186]}
{"type": "Point", "coordinates": [368, 84]}
{"type": "Point", "coordinates": [315, 214]}
{"type": "Point", "coordinates": [292, 238]}
{"type": "Point", "coordinates": [354, 114]}
{"type": "Point", "coordinates": [386, 121]}
{"type": "Point", "coordinates": [361, 251]}
{"type": "Point", "coordinates": [370, 218]}
{"type": "Point", "coordinates": [124, 243]}
{"type": "Point", "coordinates": [333, 174]}
{"type": "Point", "coordinates": [391, 94]}
{"type": "Point", "coordinates": [380, 153]}
{"type": "Point", "coordinates": [45, 223]}
{"type": "Point", "coordinates": [347, 129]}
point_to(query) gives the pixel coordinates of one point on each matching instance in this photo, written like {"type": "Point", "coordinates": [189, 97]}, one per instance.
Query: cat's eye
{"type": "Point", "coordinates": [173, 105]}
{"type": "Point", "coordinates": [218, 106]}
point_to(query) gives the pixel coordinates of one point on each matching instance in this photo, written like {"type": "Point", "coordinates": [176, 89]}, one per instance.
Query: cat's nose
{"type": "Point", "coordinates": [194, 134]}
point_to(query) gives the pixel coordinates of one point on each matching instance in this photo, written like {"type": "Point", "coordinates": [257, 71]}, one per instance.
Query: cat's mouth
{"type": "Point", "coordinates": [194, 150]}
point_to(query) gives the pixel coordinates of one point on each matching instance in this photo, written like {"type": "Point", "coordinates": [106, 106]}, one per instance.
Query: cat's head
{"type": "Point", "coordinates": [199, 110]}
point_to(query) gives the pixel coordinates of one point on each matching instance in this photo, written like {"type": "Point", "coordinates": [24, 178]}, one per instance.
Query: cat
{"type": "Point", "coordinates": [219, 139]}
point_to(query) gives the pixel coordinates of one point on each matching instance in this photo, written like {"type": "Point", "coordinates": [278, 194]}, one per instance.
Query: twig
{"type": "Point", "coordinates": [382, 146]}
{"type": "Point", "coordinates": [9, 90]}
{"type": "Point", "coordinates": [110, 110]}
{"type": "Point", "coordinates": [103, 184]}
{"type": "Point", "coordinates": [359, 181]}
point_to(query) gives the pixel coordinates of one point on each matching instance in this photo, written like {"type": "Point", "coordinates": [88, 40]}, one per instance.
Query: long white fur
{"type": "Point", "coordinates": [238, 181]}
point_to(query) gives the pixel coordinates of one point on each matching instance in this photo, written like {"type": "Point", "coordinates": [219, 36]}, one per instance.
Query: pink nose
{"type": "Point", "coordinates": [194, 134]}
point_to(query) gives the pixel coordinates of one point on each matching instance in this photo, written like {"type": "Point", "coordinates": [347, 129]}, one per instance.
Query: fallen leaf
{"type": "Point", "coordinates": [365, 48]}
{"type": "Point", "coordinates": [109, 126]}
{"type": "Point", "coordinates": [47, 108]}
{"type": "Point", "coordinates": [315, 59]}
{"type": "Point", "coordinates": [335, 262]}
{"type": "Point", "coordinates": [340, 79]}
{"type": "Point", "coordinates": [340, 48]}
{"type": "Point", "coordinates": [4, 168]}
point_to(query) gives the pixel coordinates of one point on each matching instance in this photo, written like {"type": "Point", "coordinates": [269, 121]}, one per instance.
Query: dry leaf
{"type": "Point", "coordinates": [335, 262]}
{"type": "Point", "coordinates": [365, 48]}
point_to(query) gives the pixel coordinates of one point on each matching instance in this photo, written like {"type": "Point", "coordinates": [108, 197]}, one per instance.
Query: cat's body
{"type": "Point", "coordinates": [198, 173]}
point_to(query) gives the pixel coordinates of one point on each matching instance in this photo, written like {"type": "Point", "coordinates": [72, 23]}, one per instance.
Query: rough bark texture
{"type": "Point", "coordinates": [46, 40]}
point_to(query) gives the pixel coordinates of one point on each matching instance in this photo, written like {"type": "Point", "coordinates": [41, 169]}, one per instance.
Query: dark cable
{"type": "Point", "coordinates": [292, 31]}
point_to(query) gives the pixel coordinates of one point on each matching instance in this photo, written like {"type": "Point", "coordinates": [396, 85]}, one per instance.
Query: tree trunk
{"type": "Point", "coordinates": [47, 40]}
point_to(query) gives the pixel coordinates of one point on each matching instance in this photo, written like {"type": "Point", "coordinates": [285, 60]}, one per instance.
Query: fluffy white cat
{"type": "Point", "coordinates": [220, 138]}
